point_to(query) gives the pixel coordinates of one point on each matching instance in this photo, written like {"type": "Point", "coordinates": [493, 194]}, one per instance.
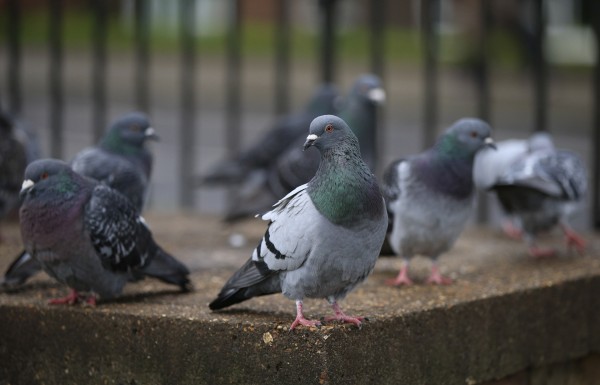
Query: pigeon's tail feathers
{"type": "Point", "coordinates": [20, 270]}
{"type": "Point", "coordinates": [165, 267]}
{"type": "Point", "coordinates": [253, 279]}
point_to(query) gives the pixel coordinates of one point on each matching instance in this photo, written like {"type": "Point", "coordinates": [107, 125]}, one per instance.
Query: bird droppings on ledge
{"type": "Point", "coordinates": [498, 287]}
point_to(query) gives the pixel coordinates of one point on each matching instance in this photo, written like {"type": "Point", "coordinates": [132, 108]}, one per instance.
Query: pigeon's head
{"type": "Point", "coordinates": [465, 137]}
{"type": "Point", "coordinates": [327, 131]}
{"type": "Point", "coordinates": [368, 87]}
{"type": "Point", "coordinates": [42, 172]}
{"type": "Point", "coordinates": [132, 129]}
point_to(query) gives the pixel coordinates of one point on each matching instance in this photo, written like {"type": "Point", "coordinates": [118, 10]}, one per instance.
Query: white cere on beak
{"type": "Point", "coordinates": [489, 140]}
{"type": "Point", "coordinates": [149, 131]}
{"type": "Point", "coordinates": [377, 95]}
{"type": "Point", "coordinates": [312, 137]}
{"type": "Point", "coordinates": [27, 183]}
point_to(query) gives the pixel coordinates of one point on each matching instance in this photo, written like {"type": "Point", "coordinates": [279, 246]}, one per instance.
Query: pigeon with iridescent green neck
{"type": "Point", "coordinates": [87, 235]}
{"type": "Point", "coordinates": [324, 237]}
{"type": "Point", "coordinates": [430, 196]}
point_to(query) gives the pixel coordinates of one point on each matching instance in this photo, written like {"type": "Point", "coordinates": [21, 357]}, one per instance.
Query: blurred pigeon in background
{"type": "Point", "coordinates": [87, 235]}
{"type": "Point", "coordinates": [294, 168]}
{"type": "Point", "coordinates": [13, 160]}
{"type": "Point", "coordinates": [120, 160]}
{"type": "Point", "coordinates": [273, 142]}
{"type": "Point", "coordinates": [430, 196]}
{"type": "Point", "coordinates": [541, 189]}
{"type": "Point", "coordinates": [324, 237]}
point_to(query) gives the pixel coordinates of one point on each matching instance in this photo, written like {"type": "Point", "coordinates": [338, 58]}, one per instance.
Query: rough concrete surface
{"type": "Point", "coordinates": [505, 313]}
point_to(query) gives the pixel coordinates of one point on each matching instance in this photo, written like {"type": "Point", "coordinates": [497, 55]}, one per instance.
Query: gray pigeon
{"type": "Point", "coordinates": [13, 160]}
{"type": "Point", "coordinates": [324, 237]}
{"type": "Point", "coordinates": [430, 196]}
{"type": "Point", "coordinates": [273, 142]}
{"type": "Point", "coordinates": [294, 168]}
{"type": "Point", "coordinates": [120, 160]}
{"type": "Point", "coordinates": [87, 235]}
{"type": "Point", "coordinates": [540, 190]}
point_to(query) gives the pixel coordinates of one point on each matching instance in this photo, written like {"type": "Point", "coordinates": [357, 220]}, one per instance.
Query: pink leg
{"type": "Point", "coordinates": [70, 299]}
{"type": "Point", "coordinates": [73, 298]}
{"type": "Point", "coordinates": [574, 239]}
{"type": "Point", "coordinates": [340, 316]}
{"type": "Point", "coordinates": [511, 230]}
{"type": "Point", "coordinates": [300, 320]}
{"type": "Point", "coordinates": [541, 252]}
{"type": "Point", "coordinates": [402, 278]}
{"type": "Point", "coordinates": [436, 277]}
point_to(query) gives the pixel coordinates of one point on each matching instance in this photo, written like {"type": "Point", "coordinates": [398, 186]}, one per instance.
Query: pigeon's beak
{"type": "Point", "coordinates": [489, 142]}
{"type": "Point", "coordinates": [151, 134]}
{"type": "Point", "coordinates": [310, 140]}
{"type": "Point", "coordinates": [26, 186]}
{"type": "Point", "coordinates": [376, 95]}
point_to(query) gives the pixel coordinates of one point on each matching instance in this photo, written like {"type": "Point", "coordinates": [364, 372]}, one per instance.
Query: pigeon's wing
{"type": "Point", "coordinates": [391, 188]}
{"type": "Point", "coordinates": [20, 270]}
{"type": "Point", "coordinates": [117, 232]}
{"type": "Point", "coordinates": [283, 247]}
{"type": "Point", "coordinates": [560, 174]}
{"type": "Point", "coordinates": [491, 163]}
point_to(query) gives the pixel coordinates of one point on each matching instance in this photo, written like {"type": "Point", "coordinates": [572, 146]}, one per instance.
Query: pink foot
{"type": "Point", "coordinates": [436, 278]}
{"type": "Point", "coordinates": [340, 316]}
{"type": "Point", "coordinates": [401, 279]}
{"type": "Point", "coordinates": [541, 252]}
{"type": "Point", "coordinates": [574, 240]}
{"type": "Point", "coordinates": [73, 298]}
{"type": "Point", "coordinates": [511, 230]}
{"type": "Point", "coordinates": [300, 320]}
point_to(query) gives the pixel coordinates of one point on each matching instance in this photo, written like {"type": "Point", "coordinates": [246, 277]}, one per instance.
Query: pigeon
{"type": "Point", "coordinates": [540, 189]}
{"type": "Point", "coordinates": [13, 160]}
{"type": "Point", "coordinates": [294, 168]}
{"type": "Point", "coordinates": [430, 196]}
{"type": "Point", "coordinates": [120, 160]}
{"type": "Point", "coordinates": [273, 142]}
{"type": "Point", "coordinates": [323, 238]}
{"type": "Point", "coordinates": [89, 236]}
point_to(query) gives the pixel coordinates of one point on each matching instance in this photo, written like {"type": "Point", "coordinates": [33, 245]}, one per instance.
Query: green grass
{"type": "Point", "coordinates": [402, 45]}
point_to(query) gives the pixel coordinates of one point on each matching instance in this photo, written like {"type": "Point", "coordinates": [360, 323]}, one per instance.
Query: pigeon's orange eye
{"type": "Point", "coordinates": [473, 134]}
{"type": "Point", "coordinates": [44, 175]}
{"type": "Point", "coordinates": [329, 128]}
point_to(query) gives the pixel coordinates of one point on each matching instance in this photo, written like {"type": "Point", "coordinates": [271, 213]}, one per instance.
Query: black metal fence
{"type": "Point", "coordinates": [377, 10]}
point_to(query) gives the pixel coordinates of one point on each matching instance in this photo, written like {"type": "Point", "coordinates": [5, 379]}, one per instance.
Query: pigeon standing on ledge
{"type": "Point", "coordinates": [87, 235]}
{"type": "Point", "coordinates": [324, 237]}
{"type": "Point", "coordinates": [540, 190]}
{"type": "Point", "coordinates": [120, 160]}
{"type": "Point", "coordinates": [430, 196]}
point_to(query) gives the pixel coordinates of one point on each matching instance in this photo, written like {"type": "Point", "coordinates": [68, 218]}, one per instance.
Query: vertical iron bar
{"type": "Point", "coordinates": [377, 36]}
{"type": "Point", "coordinates": [233, 96]}
{"type": "Point", "coordinates": [187, 17]}
{"type": "Point", "coordinates": [282, 58]}
{"type": "Point", "coordinates": [327, 40]}
{"type": "Point", "coordinates": [539, 67]}
{"type": "Point", "coordinates": [99, 39]}
{"type": "Point", "coordinates": [56, 78]}
{"type": "Point", "coordinates": [483, 91]}
{"type": "Point", "coordinates": [14, 57]}
{"type": "Point", "coordinates": [595, 16]}
{"type": "Point", "coordinates": [429, 18]}
{"type": "Point", "coordinates": [142, 54]}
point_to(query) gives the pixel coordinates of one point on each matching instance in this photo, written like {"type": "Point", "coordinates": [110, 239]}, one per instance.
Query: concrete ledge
{"type": "Point", "coordinates": [506, 313]}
